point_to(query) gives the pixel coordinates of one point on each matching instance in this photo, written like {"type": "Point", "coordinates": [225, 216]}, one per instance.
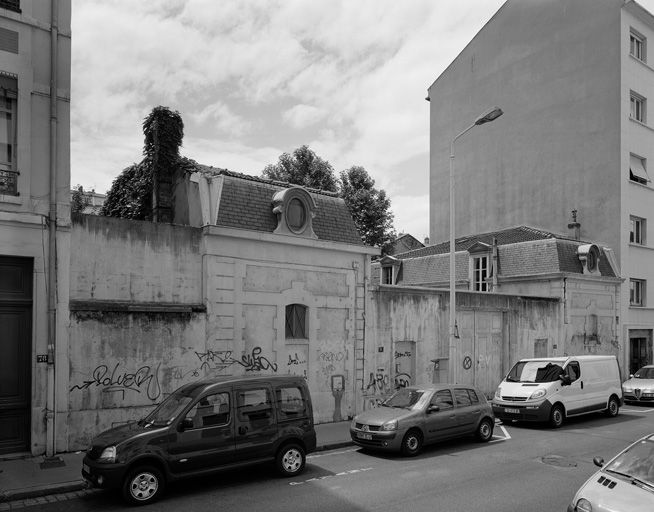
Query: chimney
{"type": "Point", "coordinates": [575, 225]}
{"type": "Point", "coordinates": [426, 240]}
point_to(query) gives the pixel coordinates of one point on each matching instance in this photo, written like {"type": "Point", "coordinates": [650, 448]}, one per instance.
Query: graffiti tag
{"type": "Point", "coordinates": [143, 379]}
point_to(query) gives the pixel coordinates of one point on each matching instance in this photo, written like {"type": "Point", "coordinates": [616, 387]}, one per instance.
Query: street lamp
{"type": "Point", "coordinates": [489, 116]}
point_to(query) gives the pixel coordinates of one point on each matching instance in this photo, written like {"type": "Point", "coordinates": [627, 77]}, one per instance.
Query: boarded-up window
{"type": "Point", "coordinates": [540, 347]}
{"type": "Point", "coordinates": [296, 315]}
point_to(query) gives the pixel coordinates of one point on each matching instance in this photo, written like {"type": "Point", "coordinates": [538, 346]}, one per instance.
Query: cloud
{"type": "Point", "coordinates": [302, 116]}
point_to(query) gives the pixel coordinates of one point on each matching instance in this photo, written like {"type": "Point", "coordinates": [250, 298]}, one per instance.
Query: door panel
{"type": "Point", "coordinates": [210, 442]}
{"type": "Point", "coordinates": [441, 424]}
{"type": "Point", "coordinates": [15, 353]}
{"type": "Point", "coordinates": [256, 426]}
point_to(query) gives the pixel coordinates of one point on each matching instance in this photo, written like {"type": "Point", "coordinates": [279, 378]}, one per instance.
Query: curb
{"type": "Point", "coordinates": [46, 490]}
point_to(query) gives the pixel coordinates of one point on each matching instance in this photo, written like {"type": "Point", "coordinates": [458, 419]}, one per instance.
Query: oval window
{"type": "Point", "coordinates": [296, 214]}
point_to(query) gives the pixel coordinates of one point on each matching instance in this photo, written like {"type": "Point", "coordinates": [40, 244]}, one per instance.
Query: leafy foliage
{"type": "Point", "coordinates": [79, 199]}
{"type": "Point", "coordinates": [130, 196]}
{"type": "Point", "coordinates": [303, 168]}
{"type": "Point", "coordinates": [370, 207]}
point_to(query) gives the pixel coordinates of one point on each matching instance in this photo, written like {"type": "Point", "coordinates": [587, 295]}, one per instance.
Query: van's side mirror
{"type": "Point", "coordinates": [185, 424]}
{"type": "Point", "coordinates": [598, 461]}
{"type": "Point", "coordinates": [565, 379]}
{"type": "Point", "coordinates": [433, 408]}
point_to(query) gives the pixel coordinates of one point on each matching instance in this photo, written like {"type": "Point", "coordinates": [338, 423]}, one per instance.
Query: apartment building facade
{"type": "Point", "coordinates": [34, 220]}
{"type": "Point", "coordinates": [573, 80]}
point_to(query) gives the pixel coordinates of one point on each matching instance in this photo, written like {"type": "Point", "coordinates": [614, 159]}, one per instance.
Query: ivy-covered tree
{"type": "Point", "coordinates": [79, 199]}
{"type": "Point", "coordinates": [133, 193]}
{"type": "Point", "coordinates": [369, 206]}
{"type": "Point", "coordinates": [304, 168]}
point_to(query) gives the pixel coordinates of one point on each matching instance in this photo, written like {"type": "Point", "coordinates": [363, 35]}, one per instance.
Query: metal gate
{"type": "Point", "coordinates": [478, 359]}
{"type": "Point", "coordinates": [15, 350]}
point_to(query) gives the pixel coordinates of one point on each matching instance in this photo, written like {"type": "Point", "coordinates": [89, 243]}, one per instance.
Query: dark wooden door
{"type": "Point", "coordinates": [15, 350]}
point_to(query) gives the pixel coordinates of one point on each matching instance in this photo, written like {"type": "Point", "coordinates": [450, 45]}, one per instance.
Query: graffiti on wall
{"type": "Point", "coordinates": [144, 380]}
{"type": "Point", "coordinates": [220, 360]}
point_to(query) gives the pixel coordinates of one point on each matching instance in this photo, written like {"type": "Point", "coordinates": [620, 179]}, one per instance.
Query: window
{"type": "Point", "coordinates": [573, 371]}
{"type": "Point", "coordinates": [8, 172]}
{"type": "Point", "coordinates": [210, 411]}
{"type": "Point", "coordinates": [462, 397]}
{"type": "Point", "coordinates": [638, 170]}
{"type": "Point", "coordinates": [291, 403]}
{"type": "Point", "coordinates": [387, 275]}
{"type": "Point", "coordinates": [473, 397]}
{"type": "Point", "coordinates": [254, 404]}
{"type": "Point", "coordinates": [296, 315]}
{"type": "Point", "coordinates": [12, 5]}
{"type": "Point", "coordinates": [480, 273]}
{"type": "Point", "coordinates": [636, 292]}
{"type": "Point", "coordinates": [637, 232]}
{"type": "Point", "coordinates": [442, 399]}
{"type": "Point", "coordinates": [638, 108]}
{"type": "Point", "coordinates": [637, 46]}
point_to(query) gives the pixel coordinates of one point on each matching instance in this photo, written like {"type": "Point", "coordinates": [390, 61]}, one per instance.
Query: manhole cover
{"type": "Point", "coordinates": [558, 460]}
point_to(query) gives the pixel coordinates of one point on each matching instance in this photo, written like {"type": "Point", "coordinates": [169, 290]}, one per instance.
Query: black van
{"type": "Point", "coordinates": [205, 426]}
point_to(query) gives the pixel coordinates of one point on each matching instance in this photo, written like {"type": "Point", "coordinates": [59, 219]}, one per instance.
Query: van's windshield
{"type": "Point", "coordinates": [167, 410]}
{"type": "Point", "coordinates": [535, 371]}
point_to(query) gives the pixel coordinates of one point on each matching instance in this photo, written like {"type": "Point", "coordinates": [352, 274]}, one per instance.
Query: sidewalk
{"type": "Point", "coordinates": [41, 479]}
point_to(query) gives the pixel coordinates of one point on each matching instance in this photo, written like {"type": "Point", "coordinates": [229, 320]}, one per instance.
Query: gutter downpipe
{"type": "Point", "coordinates": [52, 244]}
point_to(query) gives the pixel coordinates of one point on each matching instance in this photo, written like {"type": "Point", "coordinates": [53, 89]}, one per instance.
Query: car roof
{"type": "Point", "coordinates": [438, 387]}
{"type": "Point", "coordinates": [201, 385]}
{"type": "Point", "coordinates": [562, 359]}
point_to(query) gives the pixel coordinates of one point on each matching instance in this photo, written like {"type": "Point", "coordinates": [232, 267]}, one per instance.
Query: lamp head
{"type": "Point", "coordinates": [489, 116]}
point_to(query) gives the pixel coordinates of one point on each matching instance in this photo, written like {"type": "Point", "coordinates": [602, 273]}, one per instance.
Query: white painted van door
{"type": "Point", "coordinates": [575, 395]}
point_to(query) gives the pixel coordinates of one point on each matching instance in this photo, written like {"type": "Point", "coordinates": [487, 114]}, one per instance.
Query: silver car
{"type": "Point", "coordinates": [640, 386]}
{"type": "Point", "coordinates": [418, 415]}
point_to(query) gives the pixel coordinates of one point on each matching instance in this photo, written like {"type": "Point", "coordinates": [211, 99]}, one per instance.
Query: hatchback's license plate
{"type": "Point", "coordinates": [362, 435]}
{"type": "Point", "coordinates": [86, 468]}
{"type": "Point", "coordinates": [511, 411]}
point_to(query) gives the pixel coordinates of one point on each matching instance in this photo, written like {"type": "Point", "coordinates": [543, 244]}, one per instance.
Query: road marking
{"type": "Point", "coordinates": [505, 438]}
{"type": "Point", "coordinates": [316, 455]}
{"type": "Point", "coordinates": [646, 411]}
{"type": "Point", "coordinates": [342, 473]}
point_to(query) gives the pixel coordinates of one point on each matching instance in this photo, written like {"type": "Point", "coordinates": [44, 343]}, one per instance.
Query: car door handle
{"type": "Point", "coordinates": [242, 430]}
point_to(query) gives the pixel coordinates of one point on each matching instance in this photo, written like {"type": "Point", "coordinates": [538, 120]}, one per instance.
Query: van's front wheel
{"type": "Point", "coordinates": [556, 416]}
{"type": "Point", "coordinates": [613, 407]}
{"type": "Point", "coordinates": [143, 485]}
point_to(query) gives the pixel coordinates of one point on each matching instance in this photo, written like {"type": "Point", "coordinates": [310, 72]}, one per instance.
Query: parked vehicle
{"type": "Point", "coordinates": [555, 388]}
{"type": "Point", "coordinates": [418, 415]}
{"type": "Point", "coordinates": [624, 484]}
{"type": "Point", "coordinates": [640, 386]}
{"type": "Point", "coordinates": [209, 425]}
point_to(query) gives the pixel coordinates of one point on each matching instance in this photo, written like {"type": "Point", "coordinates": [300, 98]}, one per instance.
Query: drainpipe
{"type": "Point", "coordinates": [51, 406]}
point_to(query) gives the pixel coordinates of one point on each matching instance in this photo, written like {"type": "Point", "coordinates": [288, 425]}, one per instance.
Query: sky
{"type": "Point", "coordinates": [253, 79]}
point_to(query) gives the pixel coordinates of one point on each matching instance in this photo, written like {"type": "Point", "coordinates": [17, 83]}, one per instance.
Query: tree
{"type": "Point", "coordinates": [79, 199]}
{"type": "Point", "coordinates": [303, 168]}
{"type": "Point", "coordinates": [131, 193]}
{"type": "Point", "coordinates": [370, 207]}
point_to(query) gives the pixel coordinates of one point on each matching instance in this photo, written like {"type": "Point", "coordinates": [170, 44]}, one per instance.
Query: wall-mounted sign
{"type": "Point", "coordinates": [41, 358]}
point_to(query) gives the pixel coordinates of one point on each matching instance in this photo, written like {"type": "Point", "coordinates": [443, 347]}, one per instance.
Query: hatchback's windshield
{"type": "Point", "coordinates": [636, 462]}
{"type": "Point", "coordinates": [168, 409]}
{"type": "Point", "coordinates": [405, 398]}
{"type": "Point", "coordinates": [535, 371]}
{"type": "Point", "coordinates": [645, 373]}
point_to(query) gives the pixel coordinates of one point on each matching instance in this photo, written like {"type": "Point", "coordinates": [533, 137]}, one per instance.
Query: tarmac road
{"type": "Point", "coordinates": [524, 467]}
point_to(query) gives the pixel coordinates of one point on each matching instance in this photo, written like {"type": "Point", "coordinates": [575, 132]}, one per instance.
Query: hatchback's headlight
{"type": "Point", "coordinates": [108, 454]}
{"type": "Point", "coordinates": [539, 393]}
{"type": "Point", "coordinates": [627, 388]}
{"type": "Point", "coordinates": [583, 505]}
{"type": "Point", "coordinates": [498, 395]}
{"type": "Point", "coordinates": [390, 425]}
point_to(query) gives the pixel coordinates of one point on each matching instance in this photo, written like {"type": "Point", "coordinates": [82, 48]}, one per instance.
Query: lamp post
{"type": "Point", "coordinates": [489, 116]}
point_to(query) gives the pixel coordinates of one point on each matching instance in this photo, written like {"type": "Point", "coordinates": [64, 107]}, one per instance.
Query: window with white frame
{"type": "Point", "coordinates": [637, 46]}
{"type": "Point", "coordinates": [637, 231]}
{"type": "Point", "coordinates": [638, 107]}
{"type": "Point", "coordinates": [480, 273]}
{"type": "Point", "coordinates": [8, 171]}
{"type": "Point", "coordinates": [638, 169]}
{"type": "Point", "coordinates": [636, 292]}
{"type": "Point", "coordinates": [387, 275]}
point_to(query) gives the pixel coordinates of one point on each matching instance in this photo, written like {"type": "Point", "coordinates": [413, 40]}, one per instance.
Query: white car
{"type": "Point", "coordinates": [640, 386]}
{"type": "Point", "coordinates": [624, 484]}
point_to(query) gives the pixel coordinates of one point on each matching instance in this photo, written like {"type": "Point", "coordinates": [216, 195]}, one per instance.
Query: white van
{"type": "Point", "coordinates": [554, 388]}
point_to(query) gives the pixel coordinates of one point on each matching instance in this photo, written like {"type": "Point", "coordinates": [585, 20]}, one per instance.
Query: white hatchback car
{"type": "Point", "coordinates": [640, 386]}
{"type": "Point", "coordinates": [623, 484]}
